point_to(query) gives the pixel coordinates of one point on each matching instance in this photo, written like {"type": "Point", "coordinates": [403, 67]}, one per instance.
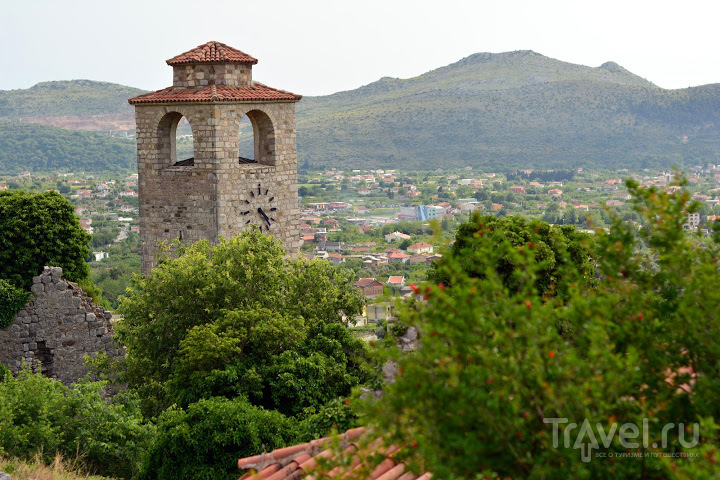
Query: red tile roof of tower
{"type": "Point", "coordinates": [213, 93]}
{"type": "Point", "coordinates": [212, 52]}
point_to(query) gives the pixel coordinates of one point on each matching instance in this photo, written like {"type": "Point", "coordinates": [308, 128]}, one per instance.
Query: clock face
{"type": "Point", "coordinates": [261, 208]}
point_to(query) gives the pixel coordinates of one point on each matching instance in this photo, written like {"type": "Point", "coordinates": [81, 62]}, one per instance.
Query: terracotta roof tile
{"type": "Point", "coordinates": [300, 461]}
{"type": "Point", "coordinates": [212, 52]}
{"type": "Point", "coordinates": [257, 93]}
{"type": "Point", "coordinates": [364, 282]}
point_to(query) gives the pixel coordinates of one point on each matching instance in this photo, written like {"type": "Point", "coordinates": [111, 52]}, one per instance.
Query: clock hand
{"type": "Point", "coordinates": [267, 219]}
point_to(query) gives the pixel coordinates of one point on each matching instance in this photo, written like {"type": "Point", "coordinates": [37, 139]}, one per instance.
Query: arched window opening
{"type": "Point", "coordinates": [184, 144]}
{"type": "Point", "coordinates": [256, 139]}
{"type": "Point", "coordinates": [176, 143]}
{"type": "Point", "coordinates": [246, 141]}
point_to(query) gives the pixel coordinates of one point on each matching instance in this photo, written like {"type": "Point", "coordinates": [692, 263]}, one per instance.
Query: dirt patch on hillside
{"type": "Point", "coordinates": [118, 122]}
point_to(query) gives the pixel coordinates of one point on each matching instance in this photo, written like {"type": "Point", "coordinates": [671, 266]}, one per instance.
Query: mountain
{"type": "Point", "coordinates": [490, 111]}
{"type": "Point", "coordinates": [511, 110]}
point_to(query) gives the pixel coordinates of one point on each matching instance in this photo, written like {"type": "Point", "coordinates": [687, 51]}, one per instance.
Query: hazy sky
{"type": "Point", "coordinates": [316, 47]}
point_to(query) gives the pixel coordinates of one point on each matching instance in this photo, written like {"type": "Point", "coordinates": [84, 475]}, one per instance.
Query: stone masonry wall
{"type": "Point", "coordinates": [201, 75]}
{"type": "Point", "coordinates": [56, 329]}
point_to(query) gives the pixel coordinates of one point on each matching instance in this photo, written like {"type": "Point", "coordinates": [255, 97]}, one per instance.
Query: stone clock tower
{"type": "Point", "coordinates": [216, 193]}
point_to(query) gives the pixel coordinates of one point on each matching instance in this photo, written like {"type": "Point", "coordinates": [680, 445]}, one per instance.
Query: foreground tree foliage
{"type": "Point", "coordinates": [240, 318]}
{"type": "Point", "coordinates": [562, 254]}
{"type": "Point", "coordinates": [235, 346]}
{"type": "Point", "coordinates": [496, 364]}
{"type": "Point", "coordinates": [230, 349]}
{"type": "Point", "coordinates": [38, 229]}
{"type": "Point", "coordinates": [206, 440]}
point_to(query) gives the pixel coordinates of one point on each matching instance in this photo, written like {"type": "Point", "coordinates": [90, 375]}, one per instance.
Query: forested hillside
{"type": "Point", "coordinates": [33, 147]}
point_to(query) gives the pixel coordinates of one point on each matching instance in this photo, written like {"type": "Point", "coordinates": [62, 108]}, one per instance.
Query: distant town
{"type": "Point", "coordinates": [387, 226]}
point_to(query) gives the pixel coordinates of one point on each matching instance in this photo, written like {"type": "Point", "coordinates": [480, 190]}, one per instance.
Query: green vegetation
{"type": "Point", "coordinates": [12, 300]}
{"type": "Point", "coordinates": [234, 347]}
{"type": "Point", "coordinates": [517, 110]}
{"type": "Point", "coordinates": [561, 254]}
{"type": "Point", "coordinates": [495, 364]}
{"type": "Point", "coordinates": [40, 148]}
{"type": "Point", "coordinates": [74, 97]}
{"type": "Point", "coordinates": [37, 230]}
{"type": "Point", "coordinates": [206, 440]}
{"type": "Point", "coordinates": [229, 348]}
{"type": "Point", "coordinates": [240, 319]}
{"type": "Point", "coordinates": [112, 275]}
{"type": "Point", "coordinates": [41, 416]}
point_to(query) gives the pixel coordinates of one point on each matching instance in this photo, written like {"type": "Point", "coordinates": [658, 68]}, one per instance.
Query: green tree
{"type": "Point", "coordinates": [37, 230]}
{"type": "Point", "coordinates": [562, 254]}
{"type": "Point", "coordinates": [241, 319]}
{"type": "Point", "coordinates": [495, 365]}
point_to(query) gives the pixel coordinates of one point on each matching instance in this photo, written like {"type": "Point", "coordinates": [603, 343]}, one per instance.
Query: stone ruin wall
{"type": "Point", "coordinates": [56, 329]}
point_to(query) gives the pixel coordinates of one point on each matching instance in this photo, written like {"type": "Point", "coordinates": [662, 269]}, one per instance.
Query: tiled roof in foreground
{"type": "Point", "coordinates": [212, 52]}
{"type": "Point", "coordinates": [213, 93]}
{"type": "Point", "coordinates": [300, 461]}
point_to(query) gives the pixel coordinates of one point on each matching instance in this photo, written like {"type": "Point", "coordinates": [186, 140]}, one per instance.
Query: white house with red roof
{"type": "Point", "coordinates": [420, 247]}
{"type": "Point", "coordinates": [396, 236]}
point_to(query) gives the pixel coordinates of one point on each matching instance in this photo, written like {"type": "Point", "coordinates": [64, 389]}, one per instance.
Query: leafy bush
{"type": "Point", "coordinates": [240, 318]}
{"type": "Point", "coordinates": [205, 441]}
{"type": "Point", "coordinates": [37, 230]}
{"type": "Point", "coordinates": [493, 367]}
{"type": "Point", "coordinates": [336, 415]}
{"type": "Point", "coordinates": [4, 371]}
{"type": "Point", "coordinates": [561, 254]}
{"type": "Point", "coordinates": [12, 300]}
{"type": "Point", "coordinates": [41, 416]}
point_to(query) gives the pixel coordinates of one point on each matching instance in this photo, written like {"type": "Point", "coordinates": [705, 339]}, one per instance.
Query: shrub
{"type": "Point", "coordinates": [4, 372]}
{"type": "Point", "coordinates": [561, 254]}
{"type": "Point", "coordinates": [12, 300]}
{"type": "Point", "coordinates": [205, 441]}
{"type": "Point", "coordinates": [336, 415]}
{"type": "Point", "coordinates": [41, 416]}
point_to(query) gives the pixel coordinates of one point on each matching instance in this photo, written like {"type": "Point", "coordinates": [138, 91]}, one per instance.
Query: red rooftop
{"type": "Point", "coordinates": [214, 73]}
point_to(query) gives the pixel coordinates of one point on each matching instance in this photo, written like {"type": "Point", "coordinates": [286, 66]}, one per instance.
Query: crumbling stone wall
{"type": "Point", "coordinates": [56, 329]}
